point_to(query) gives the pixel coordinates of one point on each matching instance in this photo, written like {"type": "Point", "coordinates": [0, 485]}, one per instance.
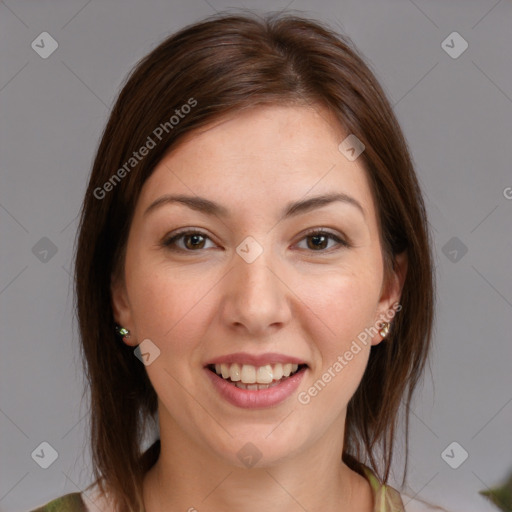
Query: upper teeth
{"type": "Point", "coordinates": [249, 374]}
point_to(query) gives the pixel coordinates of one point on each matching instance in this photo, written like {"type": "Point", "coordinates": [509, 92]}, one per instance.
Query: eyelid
{"type": "Point", "coordinates": [340, 238]}
{"type": "Point", "coordinates": [169, 239]}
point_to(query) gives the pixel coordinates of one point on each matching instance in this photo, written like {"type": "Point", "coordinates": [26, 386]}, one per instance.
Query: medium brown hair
{"type": "Point", "coordinates": [225, 64]}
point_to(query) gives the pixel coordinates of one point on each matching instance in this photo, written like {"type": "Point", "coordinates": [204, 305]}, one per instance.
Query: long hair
{"type": "Point", "coordinates": [222, 65]}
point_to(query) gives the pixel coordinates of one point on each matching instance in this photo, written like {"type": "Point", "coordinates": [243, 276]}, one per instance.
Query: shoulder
{"type": "Point", "coordinates": [385, 497]}
{"type": "Point", "coordinates": [92, 501]}
{"type": "Point", "coordinates": [415, 505]}
{"type": "Point", "coordinates": [388, 499]}
{"type": "Point", "coordinates": [72, 502]}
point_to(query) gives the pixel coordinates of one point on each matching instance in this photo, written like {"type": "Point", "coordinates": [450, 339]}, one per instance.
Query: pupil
{"type": "Point", "coordinates": [317, 237]}
{"type": "Point", "coordinates": [195, 239]}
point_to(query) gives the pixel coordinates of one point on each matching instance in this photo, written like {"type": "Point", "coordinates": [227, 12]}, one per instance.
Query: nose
{"type": "Point", "coordinates": [256, 299]}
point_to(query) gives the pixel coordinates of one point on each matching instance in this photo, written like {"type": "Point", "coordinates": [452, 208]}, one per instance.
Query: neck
{"type": "Point", "coordinates": [192, 478]}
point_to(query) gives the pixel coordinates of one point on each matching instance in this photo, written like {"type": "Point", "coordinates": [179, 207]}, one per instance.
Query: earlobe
{"type": "Point", "coordinates": [121, 308]}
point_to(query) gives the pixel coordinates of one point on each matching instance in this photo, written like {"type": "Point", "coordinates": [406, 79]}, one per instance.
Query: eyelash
{"type": "Point", "coordinates": [169, 243]}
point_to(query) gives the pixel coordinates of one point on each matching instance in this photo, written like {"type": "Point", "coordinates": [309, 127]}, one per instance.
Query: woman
{"type": "Point", "coordinates": [254, 265]}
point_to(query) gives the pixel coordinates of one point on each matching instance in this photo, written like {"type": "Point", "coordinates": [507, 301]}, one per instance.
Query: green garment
{"type": "Point", "coordinates": [385, 497]}
{"type": "Point", "coordinates": [68, 503]}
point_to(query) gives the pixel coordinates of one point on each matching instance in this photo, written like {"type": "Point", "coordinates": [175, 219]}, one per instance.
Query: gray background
{"type": "Point", "coordinates": [457, 116]}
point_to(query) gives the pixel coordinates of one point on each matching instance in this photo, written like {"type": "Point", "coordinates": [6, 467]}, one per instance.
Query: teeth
{"type": "Point", "coordinates": [264, 375]}
{"type": "Point", "coordinates": [235, 372]}
{"type": "Point", "coordinates": [278, 371]}
{"type": "Point", "coordinates": [247, 376]}
{"type": "Point", "coordinates": [224, 368]}
{"type": "Point", "coordinates": [255, 386]}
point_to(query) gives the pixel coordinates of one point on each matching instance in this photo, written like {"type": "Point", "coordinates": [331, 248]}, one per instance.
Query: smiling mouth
{"type": "Point", "coordinates": [247, 376]}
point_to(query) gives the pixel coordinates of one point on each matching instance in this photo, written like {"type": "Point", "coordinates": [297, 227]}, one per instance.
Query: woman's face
{"type": "Point", "coordinates": [251, 284]}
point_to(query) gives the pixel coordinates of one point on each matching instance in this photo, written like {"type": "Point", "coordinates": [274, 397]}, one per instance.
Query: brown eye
{"type": "Point", "coordinates": [318, 240]}
{"type": "Point", "coordinates": [196, 241]}
{"type": "Point", "coordinates": [193, 240]}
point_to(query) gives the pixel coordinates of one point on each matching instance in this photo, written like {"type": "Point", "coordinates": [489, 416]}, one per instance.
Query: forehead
{"type": "Point", "coordinates": [265, 155]}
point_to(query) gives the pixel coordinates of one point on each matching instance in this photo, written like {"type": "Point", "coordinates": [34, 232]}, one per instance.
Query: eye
{"type": "Point", "coordinates": [320, 239]}
{"type": "Point", "coordinates": [192, 240]}
{"type": "Point", "coordinates": [195, 240]}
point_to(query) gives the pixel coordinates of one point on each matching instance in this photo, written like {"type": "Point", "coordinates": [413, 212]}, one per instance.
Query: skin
{"type": "Point", "coordinates": [294, 299]}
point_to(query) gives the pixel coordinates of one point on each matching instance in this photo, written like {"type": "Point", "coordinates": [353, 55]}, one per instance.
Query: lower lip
{"type": "Point", "coordinates": [256, 398]}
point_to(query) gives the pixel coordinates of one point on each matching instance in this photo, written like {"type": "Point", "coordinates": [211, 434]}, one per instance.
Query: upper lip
{"type": "Point", "coordinates": [256, 359]}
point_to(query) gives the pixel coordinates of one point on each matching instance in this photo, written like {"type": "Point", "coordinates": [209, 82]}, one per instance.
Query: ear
{"type": "Point", "coordinates": [121, 308]}
{"type": "Point", "coordinates": [390, 294]}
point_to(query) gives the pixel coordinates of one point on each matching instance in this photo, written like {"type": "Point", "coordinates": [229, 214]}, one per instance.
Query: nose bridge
{"type": "Point", "coordinates": [257, 298]}
{"type": "Point", "coordinates": [253, 263]}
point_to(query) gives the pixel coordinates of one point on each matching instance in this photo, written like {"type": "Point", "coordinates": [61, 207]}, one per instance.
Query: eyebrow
{"type": "Point", "coordinates": [208, 207]}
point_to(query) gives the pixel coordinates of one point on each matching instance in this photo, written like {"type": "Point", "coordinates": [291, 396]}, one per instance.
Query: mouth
{"type": "Point", "coordinates": [250, 377]}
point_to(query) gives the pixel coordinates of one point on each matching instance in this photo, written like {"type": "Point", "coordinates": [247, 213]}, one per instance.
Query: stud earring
{"type": "Point", "coordinates": [123, 332]}
{"type": "Point", "coordinates": [384, 330]}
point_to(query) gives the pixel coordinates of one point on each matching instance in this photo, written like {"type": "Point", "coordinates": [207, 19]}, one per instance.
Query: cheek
{"type": "Point", "coordinates": [169, 306]}
{"type": "Point", "coordinates": [338, 311]}
{"type": "Point", "coordinates": [343, 301]}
